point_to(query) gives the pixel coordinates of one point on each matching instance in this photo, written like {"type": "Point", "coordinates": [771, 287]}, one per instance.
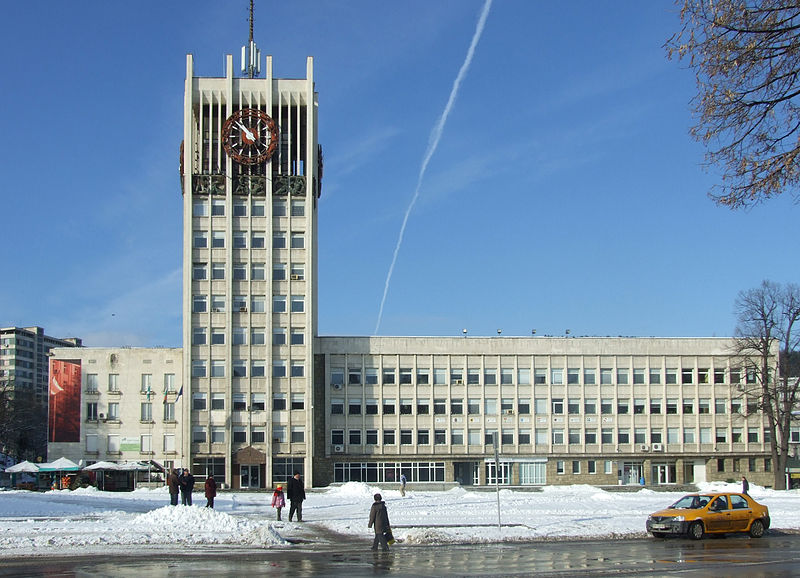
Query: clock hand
{"type": "Point", "coordinates": [248, 133]}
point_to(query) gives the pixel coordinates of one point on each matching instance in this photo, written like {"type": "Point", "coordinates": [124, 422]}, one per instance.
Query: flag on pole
{"type": "Point", "coordinates": [165, 398]}
{"type": "Point", "coordinates": [180, 393]}
{"type": "Point", "coordinates": [54, 387]}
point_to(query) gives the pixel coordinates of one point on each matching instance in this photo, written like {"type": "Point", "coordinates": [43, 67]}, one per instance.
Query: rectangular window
{"type": "Point", "coordinates": [655, 375]}
{"type": "Point", "coordinates": [607, 435]}
{"type": "Point", "coordinates": [298, 303]}
{"type": "Point", "coordinates": [298, 241]}
{"type": "Point", "coordinates": [217, 435]}
{"type": "Point", "coordinates": [218, 240]}
{"type": "Point", "coordinates": [591, 467]}
{"type": "Point", "coordinates": [655, 406]}
{"type": "Point", "coordinates": [217, 336]}
{"type": "Point", "coordinates": [169, 411]}
{"type": "Point", "coordinates": [456, 406]}
{"type": "Point", "coordinates": [557, 405]}
{"type": "Point", "coordinates": [258, 240]}
{"type": "Point", "coordinates": [388, 437]}
{"type": "Point", "coordinates": [298, 336]}
{"type": "Point", "coordinates": [298, 368]}
{"type": "Point", "coordinates": [576, 467]}
{"type": "Point", "coordinates": [606, 375]}
{"type": "Point", "coordinates": [388, 376]}
{"type": "Point", "coordinates": [638, 406]}
{"type": "Point", "coordinates": [91, 443]}
{"type": "Point", "coordinates": [539, 376]}
{"type": "Point", "coordinates": [490, 406]}
{"type": "Point", "coordinates": [198, 434]}
{"type": "Point", "coordinates": [523, 376]}
{"type": "Point", "coordinates": [337, 406]}
{"type": "Point", "coordinates": [688, 406]}
{"type": "Point", "coordinates": [457, 437]}
{"type": "Point", "coordinates": [91, 411]}
{"type": "Point", "coordinates": [279, 434]}
{"type": "Point", "coordinates": [371, 437]}
{"type": "Point", "coordinates": [524, 437]}
{"type": "Point", "coordinates": [354, 406]}
{"type": "Point", "coordinates": [278, 401]}
{"type": "Point", "coordinates": [279, 271]}
{"type": "Point", "coordinates": [638, 376]}
{"type": "Point", "coordinates": [623, 436]}
{"type": "Point", "coordinates": [388, 406]}
{"type": "Point", "coordinates": [217, 368]}
{"type": "Point", "coordinates": [113, 382]}
{"type": "Point", "coordinates": [589, 376]}
{"type": "Point", "coordinates": [258, 402]}
{"type": "Point", "coordinates": [671, 376]}
{"type": "Point", "coordinates": [506, 376]}
{"type": "Point", "coordinates": [423, 437]}
{"type": "Point", "coordinates": [279, 240]}
{"type": "Point", "coordinates": [371, 407]}
{"type": "Point", "coordinates": [439, 406]}
{"type": "Point", "coordinates": [298, 401]}
{"type": "Point", "coordinates": [279, 304]}
{"type": "Point", "coordinates": [672, 406]}
{"type": "Point", "coordinates": [113, 443]}
{"type": "Point", "coordinates": [258, 435]}
{"type": "Point", "coordinates": [218, 401]}
{"type": "Point", "coordinates": [217, 207]}
{"type": "Point", "coordinates": [606, 406]}
{"type": "Point", "coordinates": [622, 377]}
{"type": "Point", "coordinates": [688, 435]}
{"type": "Point", "coordinates": [573, 376]}
{"type": "Point", "coordinates": [278, 368]}
{"type": "Point", "coordinates": [490, 376]}
{"type": "Point", "coordinates": [590, 436]}
{"type": "Point", "coordinates": [298, 434]}
{"type": "Point", "coordinates": [239, 240]}
{"type": "Point", "coordinates": [573, 406]}
{"type": "Point", "coordinates": [279, 208]}
{"type": "Point", "coordinates": [200, 208]}
{"type": "Point", "coordinates": [406, 437]}
{"type": "Point", "coordinates": [239, 402]}
{"type": "Point", "coordinates": [239, 435]}
{"type": "Point", "coordinates": [557, 376]}
{"type": "Point", "coordinates": [406, 406]}
{"type": "Point", "coordinates": [524, 406]}
{"type": "Point", "coordinates": [199, 401]}
{"type": "Point", "coordinates": [199, 272]}
{"type": "Point", "coordinates": [721, 435]}
{"type": "Point", "coordinates": [473, 406]}
{"type": "Point", "coordinates": [239, 208]}
{"type": "Point", "coordinates": [558, 436]}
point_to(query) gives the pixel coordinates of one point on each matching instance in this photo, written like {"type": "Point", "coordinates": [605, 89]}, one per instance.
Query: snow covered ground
{"type": "Point", "coordinates": [86, 521]}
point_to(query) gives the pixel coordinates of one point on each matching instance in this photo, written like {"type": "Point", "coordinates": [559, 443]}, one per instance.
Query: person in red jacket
{"type": "Point", "coordinates": [278, 500]}
{"type": "Point", "coordinates": [211, 491]}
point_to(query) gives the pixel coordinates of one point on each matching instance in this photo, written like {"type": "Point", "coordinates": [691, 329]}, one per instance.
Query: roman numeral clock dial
{"type": "Point", "coordinates": [249, 136]}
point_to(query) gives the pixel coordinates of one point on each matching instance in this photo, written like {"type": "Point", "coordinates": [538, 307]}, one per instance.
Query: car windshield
{"type": "Point", "coordinates": [691, 503]}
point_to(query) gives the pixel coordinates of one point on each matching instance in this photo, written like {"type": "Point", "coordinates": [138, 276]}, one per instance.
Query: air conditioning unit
{"type": "Point", "coordinates": [658, 448]}
{"type": "Point", "coordinates": [276, 440]}
{"type": "Point", "coordinates": [337, 449]}
{"type": "Point", "coordinates": [509, 412]}
{"type": "Point", "coordinates": [102, 416]}
{"type": "Point", "coordinates": [459, 382]}
{"type": "Point", "coordinates": [215, 310]}
{"type": "Point", "coordinates": [644, 448]}
{"type": "Point", "coordinates": [336, 385]}
{"type": "Point", "coordinates": [242, 309]}
{"type": "Point", "coordinates": [296, 277]}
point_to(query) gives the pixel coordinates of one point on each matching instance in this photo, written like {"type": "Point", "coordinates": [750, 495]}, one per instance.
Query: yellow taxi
{"type": "Point", "coordinates": [710, 513]}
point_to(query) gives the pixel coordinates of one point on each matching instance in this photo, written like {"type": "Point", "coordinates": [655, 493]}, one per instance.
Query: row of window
{"type": "Point", "coordinates": [257, 272]}
{"type": "Point", "coordinates": [295, 336]}
{"type": "Point", "coordinates": [115, 443]}
{"type": "Point", "coordinates": [525, 436]}
{"type": "Point", "coordinates": [256, 303]}
{"type": "Point", "coordinates": [280, 401]}
{"type": "Point", "coordinates": [258, 368]}
{"type": "Point", "coordinates": [258, 240]}
{"type": "Point", "coordinates": [280, 207]}
{"type": "Point", "coordinates": [542, 405]}
{"type": "Point", "coordinates": [112, 411]}
{"type": "Point", "coordinates": [146, 382]}
{"type": "Point", "coordinates": [557, 376]}
{"type": "Point", "coordinates": [295, 434]}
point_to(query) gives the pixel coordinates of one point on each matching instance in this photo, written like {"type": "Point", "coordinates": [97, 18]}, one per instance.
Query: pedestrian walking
{"type": "Point", "coordinates": [186, 483]}
{"type": "Point", "coordinates": [402, 484]}
{"type": "Point", "coordinates": [278, 500]}
{"type": "Point", "coordinates": [174, 484]}
{"type": "Point", "coordinates": [211, 491]}
{"type": "Point", "coordinates": [745, 486]}
{"type": "Point", "coordinates": [296, 494]}
{"type": "Point", "coordinates": [379, 521]}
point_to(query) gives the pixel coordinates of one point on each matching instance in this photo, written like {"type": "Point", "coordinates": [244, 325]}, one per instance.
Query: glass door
{"type": "Point", "coordinates": [249, 476]}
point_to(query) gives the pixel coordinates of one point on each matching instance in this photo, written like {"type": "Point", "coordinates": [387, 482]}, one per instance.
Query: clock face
{"type": "Point", "coordinates": [249, 136]}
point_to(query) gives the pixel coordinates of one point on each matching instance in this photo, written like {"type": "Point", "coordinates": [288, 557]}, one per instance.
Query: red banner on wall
{"type": "Point", "coordinates": [64, 423]}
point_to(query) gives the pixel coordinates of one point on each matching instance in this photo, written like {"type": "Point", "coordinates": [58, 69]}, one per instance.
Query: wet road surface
{"type": "Point", "coordinates": [774, 555]}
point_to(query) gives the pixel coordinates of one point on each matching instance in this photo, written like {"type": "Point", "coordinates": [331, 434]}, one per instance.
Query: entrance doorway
{"type": "Point", "coordinates": [663, 473]}
{"type": "Point", "coordinates": [631, 473]}
{"type": "Point", "coordinates": [466, 473]}
{"type": "Point", "coordinates": [249, 476]}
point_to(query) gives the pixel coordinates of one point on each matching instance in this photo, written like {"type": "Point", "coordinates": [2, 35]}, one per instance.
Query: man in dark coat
{"type": "Point", "coordinates": [186, 482]}
{"type": "Point", "coordinates": [174, 484]}
{"type": "Point", "coordinates": [745, 485]}
{"type": "Point", "coordinates": [296, 494]}
{"type": "Point", "coordinates": [379, 519]}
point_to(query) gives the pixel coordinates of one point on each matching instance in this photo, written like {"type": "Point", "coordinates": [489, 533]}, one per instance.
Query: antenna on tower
{"type": "Point", "coordinates": [251, 55]}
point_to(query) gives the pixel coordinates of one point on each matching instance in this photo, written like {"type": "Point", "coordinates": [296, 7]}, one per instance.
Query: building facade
{"type": "Point", "coordinates": [250, 187]}
{"type": "Point", "coordinates": [261, 395]}
{"type": "Point", "coordinates": [24, 358]}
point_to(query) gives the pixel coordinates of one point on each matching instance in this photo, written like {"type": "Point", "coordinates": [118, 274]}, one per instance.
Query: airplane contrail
{"type": "Point", "coordinates": [433, 143]}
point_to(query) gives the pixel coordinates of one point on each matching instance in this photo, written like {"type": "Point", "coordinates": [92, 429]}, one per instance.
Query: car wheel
{"type": "Point", "coordinates": [757, 529]}
{"type": "Point", "coordinates": [696, 531]}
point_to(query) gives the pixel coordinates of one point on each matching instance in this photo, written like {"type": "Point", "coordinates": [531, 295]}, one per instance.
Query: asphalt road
{"type": "Point", "coordinates": [777, 554]}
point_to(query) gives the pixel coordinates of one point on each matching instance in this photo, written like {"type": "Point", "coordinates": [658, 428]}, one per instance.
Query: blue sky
{"type": "Point", "coordinates": [565, 192]}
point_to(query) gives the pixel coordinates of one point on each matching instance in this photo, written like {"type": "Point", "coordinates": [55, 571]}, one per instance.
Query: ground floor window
{"type": "Point", "coordinates": [284, 468]}
{"type": "Point", "coordinates": [533, 474]}
{"type": "Point", "coordinates": [505, 473]}
{"type": "Point", "coordinates": [388, 471]}
{"type": "Point", "coordinates": [204, 467]}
